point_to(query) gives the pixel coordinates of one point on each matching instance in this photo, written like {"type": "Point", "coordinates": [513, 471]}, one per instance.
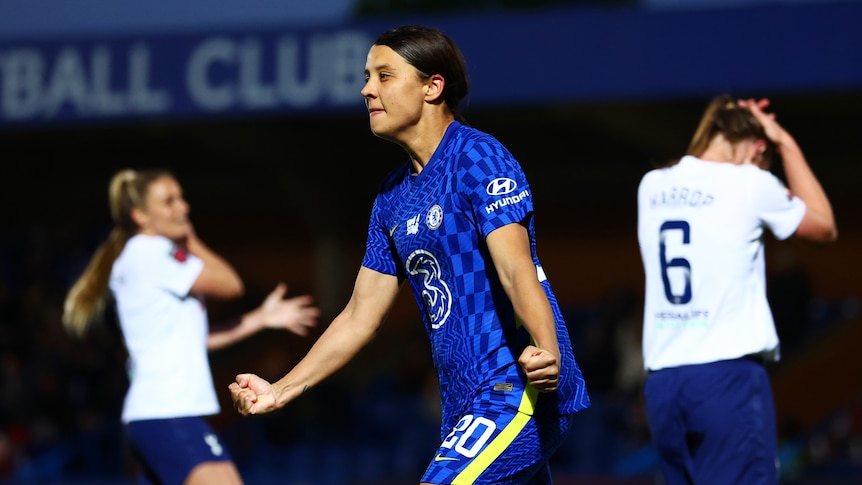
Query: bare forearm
{"type": "Point", "coordinates": [228, 333]}
{"type": "Point", "coordinates": [510, 250]}
{"type": "Point", "coordinates": [801, 179]}
{"type": "Point", "coordinates": [533, 309]}
{"type": "Point", "coordinates": [337, 346]}
{"type": "Point", "coordinates": [819, 223]}
{"type": "Point", "coordinates": [540, 362]}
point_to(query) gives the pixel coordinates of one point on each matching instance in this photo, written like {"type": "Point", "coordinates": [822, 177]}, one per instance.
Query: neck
{"type": "Point", "coordinates": [722, 150]}
{"type": "Point", "coordinates": [424, 143]}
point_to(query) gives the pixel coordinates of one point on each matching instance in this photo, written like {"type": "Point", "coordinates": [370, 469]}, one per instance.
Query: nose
{"type": "Point", "coordinates": [366, 91]}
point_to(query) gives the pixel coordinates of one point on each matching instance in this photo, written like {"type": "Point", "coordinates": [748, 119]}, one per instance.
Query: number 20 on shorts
{"type": "Point", "coordinates": [470, 435]}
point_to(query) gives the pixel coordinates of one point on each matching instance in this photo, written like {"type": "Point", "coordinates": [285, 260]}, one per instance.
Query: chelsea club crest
{"type": "Point", "coordinates": [434, 217]}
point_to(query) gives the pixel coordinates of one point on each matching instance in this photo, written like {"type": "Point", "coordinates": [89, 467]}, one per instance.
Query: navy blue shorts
{"type": "Point", "coordinates": [495, 443]}
{"type": "Point", "coordinates": [168, 449]}
{"type": "Point", "coordinates": [714, 423]}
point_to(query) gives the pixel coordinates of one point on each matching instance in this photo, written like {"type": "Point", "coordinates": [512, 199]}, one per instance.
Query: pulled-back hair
{"type": "Point", "coordinates": [85, 302]}
{"type": "Point", "coordinates": [430, 52]}
{"type": "Point", "coordinates": [724, 116]}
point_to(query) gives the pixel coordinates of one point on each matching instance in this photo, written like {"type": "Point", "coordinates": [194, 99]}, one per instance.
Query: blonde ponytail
{"type": "Point", "coordinates": [85, 302]}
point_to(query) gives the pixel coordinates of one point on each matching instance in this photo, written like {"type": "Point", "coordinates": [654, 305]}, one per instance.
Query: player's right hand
{"type": "Point", "coordinates": [252, 395]}
{"type": "Point", "coordinates": [771, 128]}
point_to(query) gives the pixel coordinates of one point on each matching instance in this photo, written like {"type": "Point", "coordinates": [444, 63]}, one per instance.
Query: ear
{"type": "Point", "coordinates": [758, 148]}
{"type": "Point", "coordinates": [433, 87]}
{"type": "Point", "coordinates": [139, 216]}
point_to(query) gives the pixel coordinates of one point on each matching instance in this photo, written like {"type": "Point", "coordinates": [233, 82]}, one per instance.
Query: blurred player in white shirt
{"type": "Point", "coordinates": [708, 329]}
{"type": "Point", "coordinates": [159, 273]}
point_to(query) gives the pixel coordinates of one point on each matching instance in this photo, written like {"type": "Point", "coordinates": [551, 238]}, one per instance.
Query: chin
{"type": "Point", "coordinates": [378, 129]}
{"type": "Point", "coordinates": [178, 237]}
{"type": "Point", "coordinates": [382, 134]}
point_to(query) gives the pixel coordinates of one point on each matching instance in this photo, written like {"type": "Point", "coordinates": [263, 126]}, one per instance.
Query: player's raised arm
{"type": "Point", "coordinates": [818, 224]}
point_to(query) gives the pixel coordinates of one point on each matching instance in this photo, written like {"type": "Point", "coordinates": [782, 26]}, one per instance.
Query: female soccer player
{"type": "Point", "coordinates": [159, 273]}
{"type": "Point", "coordinates": [455, 221]}
{"type": "Point", "coordinates": [708, 329]}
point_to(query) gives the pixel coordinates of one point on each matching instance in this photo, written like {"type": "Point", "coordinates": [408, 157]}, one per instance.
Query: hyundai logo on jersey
{"type": "Point", "coordinates": [501, 186]}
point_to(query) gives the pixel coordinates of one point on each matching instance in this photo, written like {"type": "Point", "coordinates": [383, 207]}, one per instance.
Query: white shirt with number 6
{"type": "Point", "coordinates": [700, 230]}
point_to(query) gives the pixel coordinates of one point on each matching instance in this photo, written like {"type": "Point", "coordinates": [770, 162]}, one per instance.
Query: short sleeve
{"type": "Point", "coordinates": [495, 185]}
{"type": "Point", "coordinates": [162, 263]}
{"type": "Point", "coordinates": [777, 207]}
{"type": "Point", "coordinates": [380, 254]}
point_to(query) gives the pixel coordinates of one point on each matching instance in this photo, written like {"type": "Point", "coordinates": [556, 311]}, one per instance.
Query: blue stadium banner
{"type": "Point", "coordinates": [535, 57]}
{"type": "Point", "coordinates": [182, 76]}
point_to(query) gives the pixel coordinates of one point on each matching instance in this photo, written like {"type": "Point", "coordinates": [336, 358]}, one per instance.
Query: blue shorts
{"type": "Point", "coordinates": [714, 423]}
{"type": "Point", "coordinates": [168, 449]}
{"type": "Point", "coordinates": [495, 443]}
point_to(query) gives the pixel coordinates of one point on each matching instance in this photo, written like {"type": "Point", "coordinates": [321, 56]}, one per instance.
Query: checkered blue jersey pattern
{"type": "Point", "coordinates": [430, 229]}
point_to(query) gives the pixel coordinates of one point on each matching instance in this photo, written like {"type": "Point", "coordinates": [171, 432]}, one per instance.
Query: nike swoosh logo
{"type": "Point", "coordinates": [443, 458]}
{"type": "Point", "coordinates": [392, 231]}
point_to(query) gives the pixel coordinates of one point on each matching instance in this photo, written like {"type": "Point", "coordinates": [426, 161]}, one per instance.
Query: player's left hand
{"type": "Point", "coordinates": [541, 367]}
{"type": "Point", "coordinates": [294, 314]}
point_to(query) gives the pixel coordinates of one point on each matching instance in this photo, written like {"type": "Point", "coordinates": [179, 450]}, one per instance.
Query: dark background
{"type": "Point", "coordinates": [286, 198]}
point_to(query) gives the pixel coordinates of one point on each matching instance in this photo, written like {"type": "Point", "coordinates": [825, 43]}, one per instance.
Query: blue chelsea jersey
{"type": "Point", "coordinates": [430, 228]}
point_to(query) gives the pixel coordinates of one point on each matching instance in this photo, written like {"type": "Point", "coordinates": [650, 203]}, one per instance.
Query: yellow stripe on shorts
{"type": "Point", "coordinates": [502, 441]}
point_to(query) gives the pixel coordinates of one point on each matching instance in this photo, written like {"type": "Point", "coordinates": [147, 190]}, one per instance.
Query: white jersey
{"type": "Point", "coordinates": [700, 228]}
{"type": "Point", "coordinates": [165, 330]}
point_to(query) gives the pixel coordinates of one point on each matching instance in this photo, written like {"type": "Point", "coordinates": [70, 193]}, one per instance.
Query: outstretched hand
{"type": "Point", "coordinates": [541, 367]}
{"type": "Point", "coordinates": [252, 395]}
{"type": "Point", "coordinates": [294, 314]}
